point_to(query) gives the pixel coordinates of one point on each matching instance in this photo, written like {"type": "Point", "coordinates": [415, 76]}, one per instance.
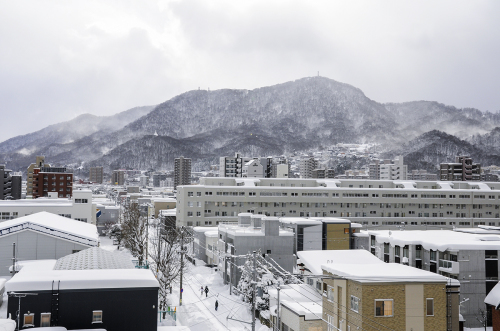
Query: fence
{"type": "Point", "coordinates": [170, 312]}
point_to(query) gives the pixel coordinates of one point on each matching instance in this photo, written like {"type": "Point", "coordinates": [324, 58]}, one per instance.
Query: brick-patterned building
{"type": "Point", "coordinates": [51, 179]}
{"type": "Point", "coordinates": [371, 295]}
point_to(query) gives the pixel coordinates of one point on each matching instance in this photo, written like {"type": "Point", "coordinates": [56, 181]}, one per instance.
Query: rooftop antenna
{"type": "Point", "coordinates": [318, 73]}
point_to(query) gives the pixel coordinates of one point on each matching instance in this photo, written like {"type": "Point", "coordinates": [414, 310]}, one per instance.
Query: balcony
{"type": "Point", "coordinates": [450, 267]}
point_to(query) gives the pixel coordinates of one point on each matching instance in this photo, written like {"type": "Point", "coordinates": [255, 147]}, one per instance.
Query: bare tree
{"type": "Point", "coordinates": [167, 266]}
{"type": "Point", "coordinates": [134, 231]}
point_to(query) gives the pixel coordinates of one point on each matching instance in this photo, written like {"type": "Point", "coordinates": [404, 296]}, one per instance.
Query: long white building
{"type": "Point", "coordinates": [372, 203]}
{"type": "Point", "coordinates": [79, 207]}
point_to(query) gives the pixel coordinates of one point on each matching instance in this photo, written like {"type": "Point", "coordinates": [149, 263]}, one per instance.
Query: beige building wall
{"type": "Point", "coordinates": [414, 303]}
{"type": "Point", "coordinates": [336, 236]}
{"type": "Point", "coordinates": [162, 205]}
{"type": "Point", "coordinates": [372, 292]}
{"type": "Point", "coordinates": [438, 293]}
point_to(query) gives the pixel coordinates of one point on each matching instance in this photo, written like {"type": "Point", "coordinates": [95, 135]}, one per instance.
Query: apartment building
{"type": "Point", "coordinates": [307, 165]}
{"type": "Point", "coordinates": [469, 255]}
{"type": "Point", "coordinates": [40, 162]}
{"type": "Point", "coordinates": [323, 173]}
{"type": "Point", "coordinates": [118, 177]}
{"type": "Point", "coordinates": [79, 207]}
{"type": "Point", "coordinates": [462, 170]}
{"type": "Point", "coordinates": [388, 169]}
{"type": "Point", "coordinates": [372, 203]}
{"type": "Point", "coordinates": [96, 175]}
{"type": "Point", "coordinates": [421, 175]}
{"type": "Point", "coordinates": [232, 166]}
{"type": "Point", "coordinates": [5, 182]}
{"type": "Point", "coordinates": [182, 171]}
{"type": "Point", "coordinates": [363, 293]}
{"type": "Point", "coordinates": [52, 179]}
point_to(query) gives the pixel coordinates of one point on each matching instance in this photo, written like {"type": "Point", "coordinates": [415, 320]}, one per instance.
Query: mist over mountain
{"type": "Point", "coordinates": [430, 149]}
{"type": "Point", "coordinates": [306, 114]}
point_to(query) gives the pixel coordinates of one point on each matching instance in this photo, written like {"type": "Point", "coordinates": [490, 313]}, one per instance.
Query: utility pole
{"type": "Point", "coordinates": [14, 260]}
{"type": "Point", "coordinates": [19, 296]}
{"type": "Point", "coordinates": [253, 295]}
{"type": "Point", "coordinates": [182, 264]}
{"type": "Point", "coordinates": [147, 234]}
{"type": "Point", "coordinates": [278, 310]}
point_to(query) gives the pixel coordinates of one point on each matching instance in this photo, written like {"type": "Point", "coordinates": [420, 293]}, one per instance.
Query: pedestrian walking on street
{"type": "Point", "coordinates": [206, 291]}
{"type": "Point", "coordinates": [201, 290]}
{"type": "Point", "coordinates": [216, 305]}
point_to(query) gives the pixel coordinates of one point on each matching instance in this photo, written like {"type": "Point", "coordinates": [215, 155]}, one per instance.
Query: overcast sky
{"type": "Point", "coordinates": [59, 59]}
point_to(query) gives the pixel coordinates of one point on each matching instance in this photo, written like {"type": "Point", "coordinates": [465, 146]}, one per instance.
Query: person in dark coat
{"type": "Point", "coordinates": [216, 304]}
{"type": "Point", "coordinates": [206, 291]}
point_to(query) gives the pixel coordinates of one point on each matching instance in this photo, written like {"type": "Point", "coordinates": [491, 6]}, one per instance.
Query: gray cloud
{"type": "Point", "coordinates": [61, 59]}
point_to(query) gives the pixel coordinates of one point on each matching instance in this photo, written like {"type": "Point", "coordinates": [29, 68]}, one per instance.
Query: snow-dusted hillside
{"type": "Point", "coordinates": [305, 114]}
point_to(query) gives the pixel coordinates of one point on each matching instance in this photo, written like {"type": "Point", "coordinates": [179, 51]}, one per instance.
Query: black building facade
{"type": "Point", "coordinates": [113, 309]}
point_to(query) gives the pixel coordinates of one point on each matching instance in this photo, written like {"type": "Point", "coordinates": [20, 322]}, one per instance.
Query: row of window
{"type": "Point", "coordinates": [29, 319]}
{"type": "Point", "coordinates": [355, 205]}
{"type": "Point", "coordinates": [81, 200]}
{"type": "Point", "coordinates": [350, 195]}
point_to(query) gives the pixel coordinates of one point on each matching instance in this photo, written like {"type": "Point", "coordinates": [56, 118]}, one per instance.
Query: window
{"type": "Point", "coordinates": [29, 320]}
{"type": "Point", "coordinates": [430, 307]}
{"type": "Point", "coordinates": [346, 230]}
{"type": "Point", "coordinates": [384, 308]}
{"type": "Point", "coordinates": [330, 293]}
{"type": "Point", "coordinates": [45, 320]}
{"type": "Point", "coordinates": [354, 303]}
{"type": "Point", "coordinates": [97, 316]}
{"type": "Point", "coordinates": [318, 285]}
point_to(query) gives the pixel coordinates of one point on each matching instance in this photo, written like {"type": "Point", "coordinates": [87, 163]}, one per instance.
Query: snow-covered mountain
{"type": "Point", "coordinates": [430, 149]}
{"type": "Point", "coordinates": [309, 113]}
{"type": "Point", "coordinates": [70, 131]}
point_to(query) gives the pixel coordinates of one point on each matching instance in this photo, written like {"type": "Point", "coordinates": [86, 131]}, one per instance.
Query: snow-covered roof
{"type": "Point", "coordinates": [163, 200]}
{"type": "Point", "coordinates": [493, 298]}
{"type": "Point", "coordinates": [441, 240]}
{"type": "Point", "coordinates": [54, 225]}
{"type": "Point", "coordinates": [331, 219]}
{"type": "Point", "coordinates": [168, 212]}
{"type": "Point", "coordinates": [203, 228]}
{"type": "Point", "coordinates": [39, 277]}
{"type": "Point", "coordinates": [237, 230]}
{"type": "Point", "coordinates": [313, 260]}
{"type": "Point", "coordinates": [356, 225]}
{"type": "Point", "coordinates": [93, 258]}
{"type": "Point", "coordinates": [299, 221]}
{"type": "Point", "coordinates": [297, 293]}
{"type": "Point", "coordinates": [310, 310]}
{"type": "Point", "coordinates": [360, 266]}
{"type": "Point", "coordinates": [212, 234]}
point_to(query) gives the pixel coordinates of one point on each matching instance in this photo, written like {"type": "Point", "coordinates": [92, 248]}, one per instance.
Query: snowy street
{"type": "Point", "coordinates": [198, 312]}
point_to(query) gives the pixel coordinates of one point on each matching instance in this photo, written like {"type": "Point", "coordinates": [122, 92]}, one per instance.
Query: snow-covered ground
{"type": "Point", "coordinates": [198, 312]}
